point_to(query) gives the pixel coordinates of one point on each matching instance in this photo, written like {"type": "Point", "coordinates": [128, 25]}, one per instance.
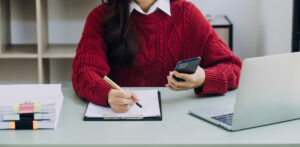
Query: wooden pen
{"type": "Point", "coordinates": [113, 84]}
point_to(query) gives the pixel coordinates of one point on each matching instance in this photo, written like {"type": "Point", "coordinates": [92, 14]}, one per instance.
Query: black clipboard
{"type": "Point", "coordinates": [159, 118]}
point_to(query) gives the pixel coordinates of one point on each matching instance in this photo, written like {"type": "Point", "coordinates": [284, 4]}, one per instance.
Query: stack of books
{"type": "Point", "coordinates": [30, 106]}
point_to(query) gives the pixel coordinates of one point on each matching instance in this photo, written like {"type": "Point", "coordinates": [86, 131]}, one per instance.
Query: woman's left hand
{"type": "Point", "coordinates": [191, 81]}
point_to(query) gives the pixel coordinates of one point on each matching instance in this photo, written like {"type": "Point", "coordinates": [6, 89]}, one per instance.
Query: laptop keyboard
{"type": "Point", "coordinates": [226, 119]}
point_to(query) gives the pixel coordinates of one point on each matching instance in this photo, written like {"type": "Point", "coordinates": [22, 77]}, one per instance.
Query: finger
{"type": "Point", "coordinates": [180, 85]}
{"type": "Point", "coordinates": [172, 84]}
{"type": "Point", "coordinates": [186, 77]}
{"type": "Point", "coordinates": [127, 106]}
{"type": "Point", "coordinates": [122, 101]}
{"type": "Point", "coordinates": [169, 75]}
{"type": "Point", "coordinates": [134, 96]}
{"type": "Point", "coordinates": [172, 87]}
{"type": "Point", "coordinates": [118, 110]}
{"type": "Point", "coordinates": [123, 94]}
{"type": "Point", "coordinates": [184, 85]}
{"type": "Point", "coordinates": [169, 79]}
{"type": "Point", "coordinates": [119, 93]}
{"type": "Point", "coordinates": [127, 94]}
{"type": "Point", "coordinates": [168, 86]}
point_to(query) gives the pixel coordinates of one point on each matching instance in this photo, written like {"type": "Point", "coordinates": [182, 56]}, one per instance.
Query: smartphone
{"type": "Point", "coordinates": [188, 66]}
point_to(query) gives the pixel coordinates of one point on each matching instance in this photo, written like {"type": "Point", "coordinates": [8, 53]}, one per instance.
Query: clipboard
{"type": "Point", "coordinates": [128, 118]}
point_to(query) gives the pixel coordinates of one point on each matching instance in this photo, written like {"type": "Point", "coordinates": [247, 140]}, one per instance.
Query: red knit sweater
{"type": "Point", "coordinates": [164, 41]}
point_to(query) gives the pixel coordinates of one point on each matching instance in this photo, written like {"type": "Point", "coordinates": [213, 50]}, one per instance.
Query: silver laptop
{"type": "Point", "coordinates": [268, 93]}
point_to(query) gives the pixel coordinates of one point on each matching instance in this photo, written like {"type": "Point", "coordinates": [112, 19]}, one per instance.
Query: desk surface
{"type": "Point", "coordinates": [177, 127]}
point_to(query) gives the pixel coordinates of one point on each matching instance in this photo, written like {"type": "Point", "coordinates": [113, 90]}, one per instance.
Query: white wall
{"type": "Point", "coordinates": [243, 14]}
{"type": "Point", "coordinates": [275, 26]}
{"type": "Point", "coordinates": [261, 27]}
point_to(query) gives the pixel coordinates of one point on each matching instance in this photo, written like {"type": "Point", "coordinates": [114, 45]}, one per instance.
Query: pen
{"type": "Point", "coordinates": [113, 84]}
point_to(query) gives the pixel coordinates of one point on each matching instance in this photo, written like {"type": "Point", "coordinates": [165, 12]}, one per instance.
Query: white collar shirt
{"type": "Point", "coordinates": [163, 5]}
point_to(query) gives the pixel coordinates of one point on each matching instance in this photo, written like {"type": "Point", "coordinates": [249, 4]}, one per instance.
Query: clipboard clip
{"type": "Point", "coordinates": [128, 117]}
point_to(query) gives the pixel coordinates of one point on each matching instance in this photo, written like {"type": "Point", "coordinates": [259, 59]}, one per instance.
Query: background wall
{"type": "Point", "coordinates": [66, 23]}
{"type": "Point", "coordinates": [11, 72]}
{"type": "Point", "coordinates": [275, 26]}
{"type": "Point", "coordinates": [244, 16]}
{"type": "Point", "coordinates": [23, 30]}
{"type": "Point", "coordinates": [65, 16]}
{"type": "Point", "coordinates": [261, 27]}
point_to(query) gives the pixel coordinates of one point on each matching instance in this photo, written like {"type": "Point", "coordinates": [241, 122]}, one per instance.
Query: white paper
{"type": "Point", "coordinates": [148, 99]}
{"type": "Point", "coordinates": [46, 94]}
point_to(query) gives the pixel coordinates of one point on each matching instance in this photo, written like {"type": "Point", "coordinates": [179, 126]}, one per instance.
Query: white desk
{"type": "Point", "coordinates": [177, 128]}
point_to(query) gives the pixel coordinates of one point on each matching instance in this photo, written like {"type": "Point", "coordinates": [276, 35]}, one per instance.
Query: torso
{"type": "Point", "coordinates": [162, 45]}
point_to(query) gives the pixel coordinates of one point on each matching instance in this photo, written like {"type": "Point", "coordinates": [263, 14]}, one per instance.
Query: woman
{"type": "Point", "coordinates": [137, 43]}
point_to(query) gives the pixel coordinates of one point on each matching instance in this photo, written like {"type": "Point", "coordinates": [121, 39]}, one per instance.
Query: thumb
{"type": "Point", "coordinates": [134, 97]}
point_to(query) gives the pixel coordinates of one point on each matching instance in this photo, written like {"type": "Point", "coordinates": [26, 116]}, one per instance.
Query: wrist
{"type": "Point", "coordinates": [201, 80]}
{"type": "Point", "coordinates": [109, 96]}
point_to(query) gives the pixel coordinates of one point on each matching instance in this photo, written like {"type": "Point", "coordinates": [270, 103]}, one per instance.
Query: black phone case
{"type": "Point", "coordinates": [188, 66]}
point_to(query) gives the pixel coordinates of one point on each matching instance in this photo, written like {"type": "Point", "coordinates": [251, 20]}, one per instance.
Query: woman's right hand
{"type": "Point", "coordinates": [121, 100]}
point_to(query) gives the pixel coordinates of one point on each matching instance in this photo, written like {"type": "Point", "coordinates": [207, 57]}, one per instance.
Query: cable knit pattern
{"type": "Point", "coordinates": [164, 40]}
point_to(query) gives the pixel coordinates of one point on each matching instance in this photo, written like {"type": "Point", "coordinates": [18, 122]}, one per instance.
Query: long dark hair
{"type": "Point", "coordinates": [120, 38]}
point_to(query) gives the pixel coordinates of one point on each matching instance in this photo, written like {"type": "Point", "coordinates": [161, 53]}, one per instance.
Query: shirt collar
{"type": "Point", "coordinates": [163, 5]}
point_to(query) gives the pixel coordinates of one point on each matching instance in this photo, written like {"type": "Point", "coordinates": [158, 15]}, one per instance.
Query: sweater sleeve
{"type": "Point", "coordinates": [90, 63]}
{"type": "Point", "coordinates": [221, 66]}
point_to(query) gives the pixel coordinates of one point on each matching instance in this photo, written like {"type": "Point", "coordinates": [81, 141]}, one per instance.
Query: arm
{"type": "Point", "coordinates": [222, 68]}
{"type": "Point", "coordinates": [90, 63]}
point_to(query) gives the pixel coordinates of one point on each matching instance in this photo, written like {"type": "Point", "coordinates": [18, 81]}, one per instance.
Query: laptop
{"type": "Point", "coordinates": [268, 93]}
